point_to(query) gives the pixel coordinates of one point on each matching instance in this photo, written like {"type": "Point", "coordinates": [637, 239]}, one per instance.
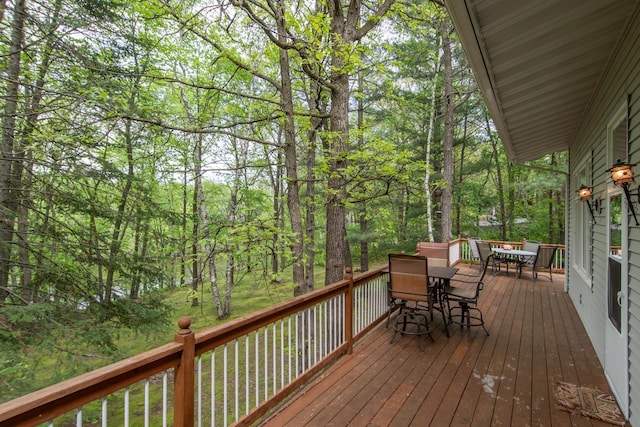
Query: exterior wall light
{"type": "Point", "coordinates": [622, 176]}
{"type": "Point", "coordinates": [585, 195]}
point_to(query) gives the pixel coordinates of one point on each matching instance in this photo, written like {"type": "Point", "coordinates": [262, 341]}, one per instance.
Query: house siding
{"type": "Point", "coordinates": [620, 82]}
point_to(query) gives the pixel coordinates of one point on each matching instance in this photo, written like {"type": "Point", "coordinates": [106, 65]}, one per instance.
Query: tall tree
{"type": "Point", "coordinates": [449, 107]}
{"type": "Point", "coordinates": [8, 200]}
{"type": "Point", "coordinates": [347, 29]}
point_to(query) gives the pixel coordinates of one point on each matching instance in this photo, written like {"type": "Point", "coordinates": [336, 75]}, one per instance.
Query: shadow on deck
{"type": "Point", "coordinates": [507, 378]}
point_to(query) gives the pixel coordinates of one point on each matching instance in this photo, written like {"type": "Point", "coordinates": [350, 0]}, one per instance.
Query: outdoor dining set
{"type": "Point", "coordinates": [425, 282]}
{"type": "Point", "coordinates": [534, 256]}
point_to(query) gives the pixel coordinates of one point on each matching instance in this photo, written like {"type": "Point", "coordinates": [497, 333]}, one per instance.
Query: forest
{"type": "Point", "coordinates": [207, 145]}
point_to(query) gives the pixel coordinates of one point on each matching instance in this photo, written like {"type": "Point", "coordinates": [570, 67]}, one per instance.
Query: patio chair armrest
{"type": "Point", "coordinates": [472, 278]}
{"type": "Point", "coordinates": [455, 280]}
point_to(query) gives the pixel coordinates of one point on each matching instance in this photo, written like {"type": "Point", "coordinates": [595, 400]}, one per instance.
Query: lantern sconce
{"type": "Point", "coordinates": [622, 176]}
{"type": "Point", "coordinates": [585, 195]}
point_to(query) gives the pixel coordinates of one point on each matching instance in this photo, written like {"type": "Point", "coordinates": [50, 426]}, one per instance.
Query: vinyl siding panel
{"type": "Point", "coordinates": [620, 82]}
{"type": "Point", "coordinates": [634, 245]}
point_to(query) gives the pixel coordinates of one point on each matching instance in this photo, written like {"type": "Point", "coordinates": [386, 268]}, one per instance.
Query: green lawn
{"type": "Point", "coordinates": [57, 359]}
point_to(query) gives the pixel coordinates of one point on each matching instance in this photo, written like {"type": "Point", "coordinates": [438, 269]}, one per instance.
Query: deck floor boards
{"type": "Point", "coordinates": [504, 379]}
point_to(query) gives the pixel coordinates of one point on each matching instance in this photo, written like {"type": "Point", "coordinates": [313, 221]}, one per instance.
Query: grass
{"type": "Point", "coordinates": [58, 359]}
{"type": "Point", "coordinates": [246, 298]}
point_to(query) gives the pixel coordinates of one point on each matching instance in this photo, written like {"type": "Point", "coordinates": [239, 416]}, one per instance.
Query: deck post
{"type": "Point", "coordinates": [348, 323]}
{"type": "Point", "coordinates": [184, 383]}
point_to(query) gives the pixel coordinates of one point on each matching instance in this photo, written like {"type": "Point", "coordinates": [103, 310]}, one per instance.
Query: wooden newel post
{"type": "Point", "coordinates": [183, 415]}
{"type": "Point", "coordinates": [348, 323]}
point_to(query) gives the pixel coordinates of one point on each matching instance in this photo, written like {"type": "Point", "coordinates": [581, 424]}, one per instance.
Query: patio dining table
{"type": "Point", "coordinates": [442, 276]}
{"type": "Point", "coordinates": [518, 256]}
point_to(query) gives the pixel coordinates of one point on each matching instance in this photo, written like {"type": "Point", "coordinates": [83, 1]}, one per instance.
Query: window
{"type": "Point", "coordinates": [582, 237]}
{"type": "Point", "coordinates": [617, 141]}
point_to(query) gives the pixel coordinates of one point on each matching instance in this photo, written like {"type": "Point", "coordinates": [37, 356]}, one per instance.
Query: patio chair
{"type": "Point", "coordinates": [486, 255]}
{"type": "Point", "coordinates": [465, 292]}
{"type": "Point", "coordinates": [473, 247]}
{"type": "Point", "coordinates": [544, 260]}
{"type": "Point", "coordinates": [437, 252]}
{"type": "Point", "coordinates": [530, 246]}
{"type": "Point", "coordinates": [408, 286]}
{"type": "Point", "coordinates": [438, 255]}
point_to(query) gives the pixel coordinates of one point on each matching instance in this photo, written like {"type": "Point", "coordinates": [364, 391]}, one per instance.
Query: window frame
{"type": "Point", "coordinates": [582, 242]}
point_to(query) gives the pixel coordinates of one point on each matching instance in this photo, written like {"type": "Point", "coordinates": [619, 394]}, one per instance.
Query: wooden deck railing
{"type": "Point", "coordinates": [232, 374]}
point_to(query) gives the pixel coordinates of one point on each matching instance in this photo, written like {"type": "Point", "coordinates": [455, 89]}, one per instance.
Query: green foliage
{"type": "Point", "coordinates": [107, 159]}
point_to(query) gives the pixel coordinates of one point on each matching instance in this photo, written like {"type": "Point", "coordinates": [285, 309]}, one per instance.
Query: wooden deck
{"type": "Point", "coordinates": [505, 379]}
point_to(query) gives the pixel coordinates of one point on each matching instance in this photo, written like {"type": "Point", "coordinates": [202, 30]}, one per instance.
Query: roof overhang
{"type": "Point", "coordinates": [538, 64]}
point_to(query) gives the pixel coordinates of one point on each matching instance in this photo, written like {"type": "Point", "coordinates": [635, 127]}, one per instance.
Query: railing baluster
{"type": "Point", "coordinates": [199, 391]}
{"type": "Point", "coordinates": [225, 390]}
{"type": "Point", "coordinates": [257, 367]}
{"type": "Point", "coordinates": [213, 387]}
{"type": "Point", "coordinates": [282, 353]}
{"type": "Point", "coordinates": [310, 338]}
{"type": "Point", "coordinates": [314, 333]}
{"type": "Point", "coordinates": [274, 334]}
{"type": "Point", "coordinates": [126, 407]}
{"type": "Point", "coordinates": [289, 345]}
{"type": "Point", "coordinates": [146, 403]}
{"type": "Point", "coordinates": [265, 352]}
{"type": "Point", "coordinates": [360, 315]}
{"type": "Point", "coordinates": [246, 374]}
{"type": "Point", "coordinates": [325, 330]}
{"type": "Point", "coordinates": [104, 411]}
{"type": "Point", "coordinates": [296, 342]}
{"type": "Point", "coordinates": [79, 417]}
{"type": "Point", "coordinates": [236, 383]}
{"type": "Point", "coordinates": [331, 326]}
{"type": "Point", "coordinates": [165, 410]}
{"type": "Point", "coordinates": [304, 333]}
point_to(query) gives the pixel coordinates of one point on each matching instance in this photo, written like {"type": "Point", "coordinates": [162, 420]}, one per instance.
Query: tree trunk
{"type": "Point", "coordinates": [428, 167]}
{"type": "Point", "coordinates": [345, 31]}
{"type": "Point", "coordinates": [121, 220]}
{"type": "Point", "coordinates": [22, 180]}
{"type": "Point", "coordinates": [240, 163]}
{"type": "Point", "coordinates": [499, 179]}
{"type": "Point", "coordinates": [291, 157]}
{"type": "Point", "coordinates": [7, 155]}
{"type": "Point", "coordinates": [134, 292]}
{"type": "Point", "coordinates": [337, 150]}
{"type": "Point", "coordinates": [275, 178]}
{"type": "Point", "coordinates": [362, 216]}
{"type": "Point", "coordinates": [27, 291]}
{"type": "Point", "coordinates": [445, 220]}
{"type": "Point", "coordinates": [460, 180]}
{"type": "Point", "coordinates": [94, 254]}
{"type": "Point", "coordinates": [196, 271]}
{"type": "Point", "coordinates": [203, 219]}
{"type": "Point", "coordinates": [3, 8]}
{"type": "Point", "coordinates": [184, 238]}
{"type": "Point", "coordinates": [315, 106]}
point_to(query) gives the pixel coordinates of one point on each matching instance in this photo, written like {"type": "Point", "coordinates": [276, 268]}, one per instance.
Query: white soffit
{"type": "Point", "coordinates": [538, 63]}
